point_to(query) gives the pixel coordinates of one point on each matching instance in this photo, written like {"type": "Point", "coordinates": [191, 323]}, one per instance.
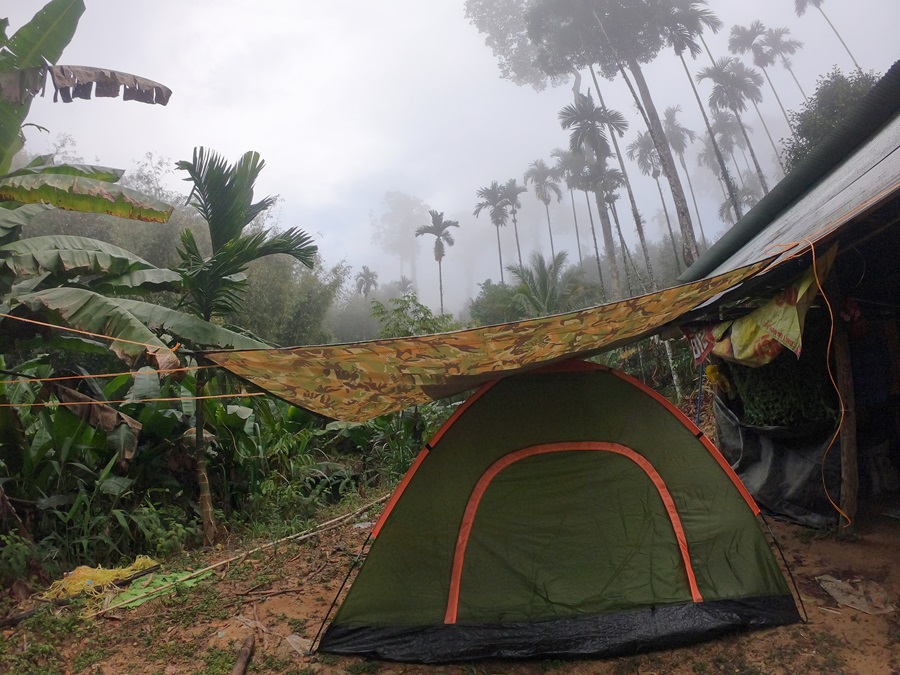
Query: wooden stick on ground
{"type": "Point", "coordinates": [240, 667]}
{"type": "Point", "coordinates": [332, 524]}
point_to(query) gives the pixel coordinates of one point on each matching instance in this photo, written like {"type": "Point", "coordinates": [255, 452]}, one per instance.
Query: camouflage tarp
{"type": "Point", "coordinates": [356, 382]}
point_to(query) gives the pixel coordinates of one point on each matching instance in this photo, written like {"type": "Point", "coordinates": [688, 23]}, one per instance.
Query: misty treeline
{"type": "Point", "coordinates": [599, 44]}
{"type": "Point", "coordinates": [595, 46]}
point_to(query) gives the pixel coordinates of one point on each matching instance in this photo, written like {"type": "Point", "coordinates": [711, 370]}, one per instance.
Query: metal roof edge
{"type": "Point", "coordinates": [870, 115]}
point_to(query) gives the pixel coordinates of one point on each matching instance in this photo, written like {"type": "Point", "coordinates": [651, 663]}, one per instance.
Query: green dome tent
{"type": "Point", "coordinates": [564, 511]}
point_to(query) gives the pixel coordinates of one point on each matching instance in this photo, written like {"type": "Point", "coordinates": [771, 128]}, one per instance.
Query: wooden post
{"type": "Point", "coordinates": [844, 377]}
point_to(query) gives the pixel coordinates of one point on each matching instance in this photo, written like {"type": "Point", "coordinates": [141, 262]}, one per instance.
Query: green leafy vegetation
{"type": "Point", "coordinates": [836, 93]}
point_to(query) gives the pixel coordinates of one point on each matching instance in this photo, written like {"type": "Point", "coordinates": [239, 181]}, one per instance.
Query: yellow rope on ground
{"type": "Point", "coordinates": [93, 580]}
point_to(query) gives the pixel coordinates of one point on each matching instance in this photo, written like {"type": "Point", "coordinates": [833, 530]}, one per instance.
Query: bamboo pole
{"type": "Point", "coordinates": [240, 666]}
{"type": "Point", "coordinates": [332, 524]}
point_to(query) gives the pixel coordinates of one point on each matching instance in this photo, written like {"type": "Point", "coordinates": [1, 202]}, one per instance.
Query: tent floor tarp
{"type": "Point", "coordinates": [632, 632]}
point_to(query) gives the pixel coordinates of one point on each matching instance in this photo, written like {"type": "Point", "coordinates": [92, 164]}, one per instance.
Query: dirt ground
{"type": "Point", "coordinates": [281, 596]}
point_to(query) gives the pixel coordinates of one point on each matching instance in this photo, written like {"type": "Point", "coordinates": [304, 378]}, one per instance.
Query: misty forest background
{"type": "Point", "coordinates": [620, 207]}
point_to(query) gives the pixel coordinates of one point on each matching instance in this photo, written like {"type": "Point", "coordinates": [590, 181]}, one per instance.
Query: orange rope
{"type": "Point", "coordinates": [834, 383]}
{"type": "Point", "coordinates": [142, 400]}
{"type": "Point", "coordinates": [84, 332]}
{"type": "Point", "coordinates": [101, 376]}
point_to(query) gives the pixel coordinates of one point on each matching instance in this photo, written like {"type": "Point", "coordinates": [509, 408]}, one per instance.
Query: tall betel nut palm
{"type": "Point", "coordinates": [545, 183]}
{"type": "Point", "coordinates": [223, 194]}
{"type": "Point", "coordinates": [366, 281]}
{"type": "Point", "coordinates": [493, 197]}
{"type": "Point", "coordinates": [440, 228]}
{"type": "Point", "coordinates": [511, 191]}
{"type": "Point", "coordinates": [800, 8]}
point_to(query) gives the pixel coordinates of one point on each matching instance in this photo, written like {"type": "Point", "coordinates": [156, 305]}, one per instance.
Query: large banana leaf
{"type": "Point", "coordinates": [43, 39]}
{"type": "Point", "coordinates": [40, 41]}
{"type": "Point", "coordinates": [79, 81]}
{"type": "Point", "coordinates": [140, 282]}
{"type": "Point", "coordinates": [84, 310]}
{"type": "Point", "coordinates": [135, 321]}
{"type": "Point", "coordinates": [67, 255]}
{"type": "Point", "coordinates": [187, 327]}
{"type": "Point", "coordinates": [12, 220]}
{"type": "Point", "coordinates": [86, 170]}
{"type": "Point", "coordinates": [87, 195]}
{"type": "Point", "coordinates": [54, 343]}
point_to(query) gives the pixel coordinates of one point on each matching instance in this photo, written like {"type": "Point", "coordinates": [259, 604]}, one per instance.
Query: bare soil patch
{"type": "Point", "coordinates": [287, 591]}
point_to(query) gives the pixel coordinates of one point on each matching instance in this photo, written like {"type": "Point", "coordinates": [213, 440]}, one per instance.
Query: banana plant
{"type": "Point", "coordinates": [31, 54]}
{"type": "Point", "coordinates": [26, 60]}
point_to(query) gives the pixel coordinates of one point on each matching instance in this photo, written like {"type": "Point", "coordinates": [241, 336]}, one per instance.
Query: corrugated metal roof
{"type": "Point", "coordinates": [864, 180]}
{"type": "Point", "coordinates": [854, 169]}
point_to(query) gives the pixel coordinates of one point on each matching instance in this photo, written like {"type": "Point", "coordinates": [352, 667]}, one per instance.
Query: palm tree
{"type": "Point", "coordinates": [800, 8]}
{"type": "Point", "coordinates": [223, 195]}
{"type": "Point", "coordinates": [635, 213]}
{"type": "Point", "coordinates": [404, 285]}
{"type": "Point", "coordinates": [570, 166]}
{"type": "Point", "coordinates": [733, 85]}
{"type": "Point", "coordinates": [585, 184]}
{"type": "Point", "coordinates": [546, 185]}
{"type": "Point", "coordinates": [607, 181]}
{"type": "Point", "coordinates": [548, 287]}
{"type": "Point", "coordinates": [492, 198]}
{"type": "Point", "coordinates": [588, 124]}
{"type": "Point", "coordinates": [679, 137]}
{"type": "Point", "coordinates": [750, 196]}
{"type": "Point", "coordinates": [643, 151]}
{"type": "Point", "coordinates": [728, 135]}
{"type": "Point", "coordinates": [511, 191]}
{"type": "Point", "coordinates": [777, 43]}
{"type": "Point", "coordinates": [750, 39]}
{"type": "Point", "coordinates": [707, 157]}
{"type": "Point", "coordinates": [366, 281]}
{"type": "Point", "coordinates": [442, 236]}
{"type": "Point", "coordinates": [684, 25]}
{"type": "Point", "coordinates": [623, 54]}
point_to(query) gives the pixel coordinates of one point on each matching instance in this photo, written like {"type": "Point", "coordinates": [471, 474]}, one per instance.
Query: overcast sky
{"type": "Point", "coordinates": [347, 100]}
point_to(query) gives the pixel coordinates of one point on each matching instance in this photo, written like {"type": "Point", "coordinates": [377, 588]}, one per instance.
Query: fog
{"type": "Point", "coordinates": [347, 101]}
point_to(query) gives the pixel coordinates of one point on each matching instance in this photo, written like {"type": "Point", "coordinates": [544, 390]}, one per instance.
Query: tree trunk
{"type": "Point", "coordinates": [550, 229]}
{"type": "Point", "coordinates": [668, 224]}
{"type": "Point", "coordinates": [783, 111]}
{"type": "Point", "coordinates": [500, 254]}
{"type": "Point", "coordinates": [825, 16]}
{"type": "Point", "coordinates": [675, 379]}
{"type": "Point", "coordinates": [627, 258]}
{"type": "Point", "coordinates": [759, 171]}
{"type": "Point", "coordinates": [516, 230]}
{"type": "Point", "coordinates": [635, 213]}
{"type": "Point", "coordinates": [787, 65]}
{"type": "Point", "coordinates": [206, 508]}
{"type": "Point", "coordinates": [575, 218]}
{"type": "Point", "coordinates": [654, 127]}
{"type": "Point", "coordinates": [441, 285]}
{"type": "Point", "coordinates": [737, 168]}
{"type": "Point", "coordinates": [769, 136]}
{"type": "Point", "coordinates": [596, 249]}
{"type": "Point", "coordinates": [694, 199]}
{"type": "Point", "coordinates": [688, 241]}
{"type": "Point", "coordinates": [726, 177]}
{"type": "Point", "coordinates": [609, 245]}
